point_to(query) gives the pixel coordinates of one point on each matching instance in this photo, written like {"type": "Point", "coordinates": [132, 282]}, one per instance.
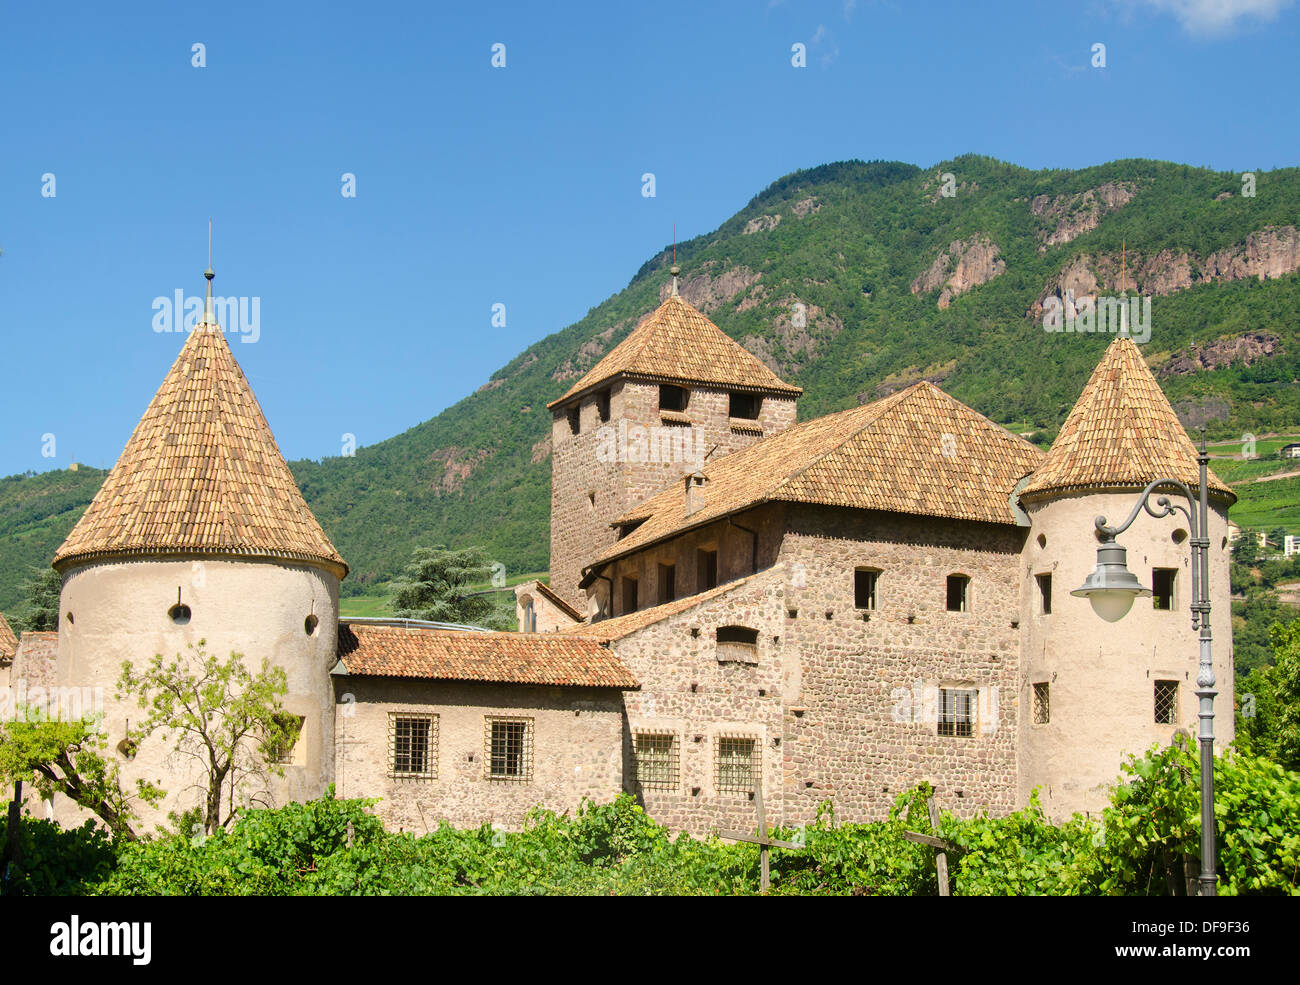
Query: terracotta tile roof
{"type": "Point", "coordinates": [888, 455]}
{"type": "Point", "coordinates": [504, 658]}
{"type": "Point", "coordinates": [1121, 432]}
{"type": "Point", "coordinates": [620, 626]}
{"type": "Point", "coordinates": [676, 342]}
{"type": "Point", "coordinates": [545, 591]}
{"type": "Point", "coordinates": [201, 474]}
{"type": "Point", "coordinates": [8, 642]}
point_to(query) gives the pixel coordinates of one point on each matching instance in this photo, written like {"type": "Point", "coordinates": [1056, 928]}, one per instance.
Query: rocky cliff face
{"type": "Point", "coordinates": [1243, 350]}
{"type": "Point", "coordinates": [1269, 253]}
{"type": "Point", "coordinates": [1075, 215]}
{"type": "Point", "coordinates": [963, 265]}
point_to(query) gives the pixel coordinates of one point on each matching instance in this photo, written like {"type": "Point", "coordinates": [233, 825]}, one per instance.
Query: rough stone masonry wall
{"type": "Point", "coordinates": [580, 525]}
{"type": "Point", "coordinates": [855, 732]}
{"type": "Point", "coordinates": [688, 692]}
{"type": "Point", "coordinates": [577, 750]}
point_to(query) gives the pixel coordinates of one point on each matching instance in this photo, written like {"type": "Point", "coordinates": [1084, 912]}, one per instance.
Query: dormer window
{"type": "Point", "coordinates": [673, 398]}
{"type": "Point", "coordinates": [746, 406]}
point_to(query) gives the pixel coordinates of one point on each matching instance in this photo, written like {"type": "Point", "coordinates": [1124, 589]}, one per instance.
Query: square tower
{"type": "Point", "coordinates": [677, 392]}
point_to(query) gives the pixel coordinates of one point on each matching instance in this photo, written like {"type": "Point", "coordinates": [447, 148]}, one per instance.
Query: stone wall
{"type": "Point", "coordinates": [577, 750]}
{"type": "Point", "coordinates": [601, 472]}
{"type": "Point", "coordinates": [694, 691]}
{"type": "Point", "coordinates": [861, 718]}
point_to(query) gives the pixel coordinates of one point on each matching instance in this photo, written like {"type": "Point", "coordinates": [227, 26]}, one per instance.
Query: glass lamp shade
{"type": "Point", "coordinates": [1111, 588]}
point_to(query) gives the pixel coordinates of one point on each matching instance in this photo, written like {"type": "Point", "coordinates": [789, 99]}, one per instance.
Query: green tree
{"type": "Point", "coordinates": [1268, 722]}
{"type": "Point", "coordinates": [42, 592]}
{"type": "Point", "coordinates": [67, 758]}
{"type": "Point", "coordinates": [223, 715]}
{"type": "Point", "coordinates": [437, 585]}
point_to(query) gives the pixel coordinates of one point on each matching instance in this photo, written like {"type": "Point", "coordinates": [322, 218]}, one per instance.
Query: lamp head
{"type": "Point", "coordinates": [1111, 588]}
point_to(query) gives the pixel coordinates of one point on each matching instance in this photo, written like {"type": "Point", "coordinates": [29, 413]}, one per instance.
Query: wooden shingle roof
{"type": "Point", "coordinates": [1121, 433]}
{"type": "Point", "coordinates": [201, 474]}
{"type": "Point", "coordinates": [676, 343]}
{"type": "Point", "coordinates": [8, 642]}
{"type": "Point", "coordinates": [555, 659]}
{"type": "Point", "coordinates": [917, 451]}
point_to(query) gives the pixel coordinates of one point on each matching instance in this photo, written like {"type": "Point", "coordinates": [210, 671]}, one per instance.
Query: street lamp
{"type": "Point", "coordinates": [1111, 589]}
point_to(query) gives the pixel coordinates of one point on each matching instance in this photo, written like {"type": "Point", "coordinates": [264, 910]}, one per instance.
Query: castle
{"type": "Point", "coordinates": [836, 609]}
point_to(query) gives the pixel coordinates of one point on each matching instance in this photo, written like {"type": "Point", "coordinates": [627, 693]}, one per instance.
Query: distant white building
{"type": "Point", "coordinates": [1290, 545]}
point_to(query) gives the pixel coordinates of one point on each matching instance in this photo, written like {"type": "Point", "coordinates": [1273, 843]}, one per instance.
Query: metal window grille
{"type": "Point", "coordinates": [509, 752]}
{"type": "Point", "coordinates": [1042, 704]}
{"type": "Point", "coordinates": [1166, 703]}
{"type": "Point", "coordinates": [657, 761]}
{"type": "Point", "coordinates": [282, 751]}
{"type": "Point", "coordinates": [735, 764]}
{"type": "Point", "coordinates": [957, 712]}
{"type": "Point", "coordinates": [413, 746]}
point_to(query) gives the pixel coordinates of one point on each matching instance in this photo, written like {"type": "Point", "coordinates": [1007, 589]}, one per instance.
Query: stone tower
{"type": "Point", "coordinates": [200, 532]}
{"type": "Point", "coordinates": [675, 393]}
{"type": "Point", "coordinates": [1092, 692]}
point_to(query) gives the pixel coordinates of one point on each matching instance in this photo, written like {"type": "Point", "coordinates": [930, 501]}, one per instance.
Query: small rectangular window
{"type": "Point", "coordinates": [657, 759]}
{"type": "Point", "coordinates": [673, 398]}
{"type": "Point", "coordinates": [958, 593]}
{"type": "Point", "coordinates": [1044, 594]}
{"type": "Point", "coordinates": [864, 588]}
{"type": "Point", "coordinates": [737, 644]}
{"type": "Point", "coordinates": [279, 748]}
{"type": "Point", "coordinates": [746, 406]}
{"type": "Point", "coordinates": [509, 749]}
{"type": "Point", "coordinates": [629, 594]}
{"type": "Point", "coordinates": [735, 764]}
{"type": "Point", "coordinates": [1042, 703]}
{"type": "Point", "coordinates": [1162, 588]}
{"type": "Point", "coordinates": [602, 405]}
{"type": "Point", "coordinates": [707, 570]}
{"type": "Point", "coordinates": [667, 582]}
{"type": "Point", "coordinates": [957, 712]}
{"type": "Point", "coordinates": [1166, 703]}
{"type": "Point", "coordinates": [413, 745]}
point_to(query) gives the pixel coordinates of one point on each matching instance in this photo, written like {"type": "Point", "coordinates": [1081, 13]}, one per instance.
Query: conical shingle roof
{"type": "Point", "coordinates": [676, 343]}
{"type": "Point", "coordinates": [1121, 433]}
{"type": "Point", "coordinates": [201, 474]}
{"type": "Point", "coordinates": [918, 451]}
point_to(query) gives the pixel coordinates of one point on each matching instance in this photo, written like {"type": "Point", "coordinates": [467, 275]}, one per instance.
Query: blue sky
{"type": "Point", "coordinates": [519, 185]}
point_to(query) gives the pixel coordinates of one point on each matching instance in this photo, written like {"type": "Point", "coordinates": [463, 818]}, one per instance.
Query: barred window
{"type": "Point", "coordinates": [735, 764]}
{"type": "Point", "coordinates": [657, 761]}
{"type": "Point", "coordinates": [412, 746]}
{"type": "Point", "coordinates": [957, 712]}
{"type": "Point", "coordinates": [278, 748]}
{"type": "Point", "coordinates": [1042, 704]}
{"type": "Point", "coordinates": [1166, 702]}
{"type": "Point", "coordinates": [509, 752]}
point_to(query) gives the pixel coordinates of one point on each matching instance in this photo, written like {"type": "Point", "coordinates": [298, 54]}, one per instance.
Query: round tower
{"type": "Point", "coordinates": [1094, 692]}
{"type": "Point", "coordinates": [199, 533]}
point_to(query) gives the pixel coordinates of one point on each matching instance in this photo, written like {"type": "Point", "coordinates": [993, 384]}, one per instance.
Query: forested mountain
{"type": "Point", "coordinates": [851, 280]}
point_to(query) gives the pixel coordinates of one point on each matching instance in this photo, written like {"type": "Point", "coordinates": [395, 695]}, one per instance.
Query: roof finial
{"type": "Point", "coordinates": [674, 269]}
{"type": "Point", "coordinates": [209, 317]}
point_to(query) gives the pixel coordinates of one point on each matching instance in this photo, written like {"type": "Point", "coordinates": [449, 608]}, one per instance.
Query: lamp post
{"type": "Point", "coordinates": [1111, 589]}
